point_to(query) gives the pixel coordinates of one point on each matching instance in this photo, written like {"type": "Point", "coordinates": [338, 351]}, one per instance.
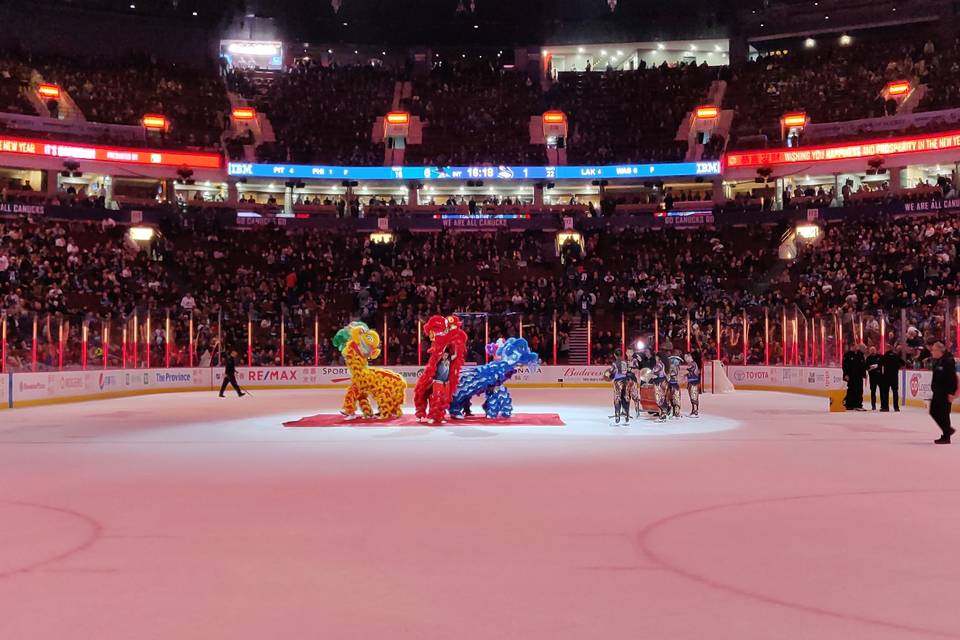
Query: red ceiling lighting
{"type": "Point", "coordinates": [554, 117]}
{"type": "Point", "coordinates": [49, 91]}
{"type": "Point", "coordinates": [244, 113]}
{"type": "Point", "coordinates": [154, 121]}
{"type": "Point", "coordinates": [898, 88]}
{"type": "Point", "coordinates": [398, 117]}
{"type": "Point", "coordinates": [707, 112]}
{"type": "Point", "coordinates": [795, 120]}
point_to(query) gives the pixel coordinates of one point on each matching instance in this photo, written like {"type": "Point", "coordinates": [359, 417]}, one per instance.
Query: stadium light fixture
{"type": "Point", "coordinates": [154, 121]}
{"type": "Point", "coordinates": [554, 117]}
{"type": "Point", "coordinates": [898, 88]}
{"type": "Point", "coordinates": [244, 113]}
{"type": "Point", "coordinates": [398, 117]}
{"type": "Point", "coordinates": [795, 120]}
{"type": "Point", "coordinates": [809, 43]}
{"type": "Point", "coordinates": [808, 231]}
{"type": "Point", "coordinates": [141, 234]}
{"type": "Point", "coordinates": [707, 112]}
{"type": "Point", "coordinates": [49, 91]}
{"type": "Point", "coordinates": [845, 40]}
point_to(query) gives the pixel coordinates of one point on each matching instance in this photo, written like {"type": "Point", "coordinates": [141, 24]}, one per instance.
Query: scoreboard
{"type": "Point", "coordinates": [498, 173]}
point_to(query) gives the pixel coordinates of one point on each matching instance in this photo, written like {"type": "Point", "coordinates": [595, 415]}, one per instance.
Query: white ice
{"type": "Point", "coordinates": [192, 517]}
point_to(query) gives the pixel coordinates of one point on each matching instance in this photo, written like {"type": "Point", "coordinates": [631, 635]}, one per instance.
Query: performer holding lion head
{"type": "Point", "coordinates": [440, 377]}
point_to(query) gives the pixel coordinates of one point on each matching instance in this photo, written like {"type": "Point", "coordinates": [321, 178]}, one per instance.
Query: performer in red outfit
{"type": "Point", "coordinates": [432, 396]}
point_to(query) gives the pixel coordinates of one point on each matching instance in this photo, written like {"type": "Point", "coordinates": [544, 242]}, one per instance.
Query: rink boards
{"type": "Point", "coordinates": [914, 385]}
{"type": "Point", "coordinates": [28, 389]}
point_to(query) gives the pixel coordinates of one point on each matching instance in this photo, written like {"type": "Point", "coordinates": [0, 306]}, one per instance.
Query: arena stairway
{"type": "Point", "coordinates": [67, 107]}
{"type": "Point", "coordinates": [578, 345]}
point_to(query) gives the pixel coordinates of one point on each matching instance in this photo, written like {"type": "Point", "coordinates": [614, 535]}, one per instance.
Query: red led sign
{"type": "Point", "coordinates": [159, 157]}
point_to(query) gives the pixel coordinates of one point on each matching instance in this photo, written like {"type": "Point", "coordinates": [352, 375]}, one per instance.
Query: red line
{"type": "Point", "coordinates": [95, 531]}
{"type": "Point", "coordinates": [644, 542]}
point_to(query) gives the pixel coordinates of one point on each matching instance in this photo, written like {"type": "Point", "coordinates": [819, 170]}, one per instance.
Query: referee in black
{"type": "Point", "coordinates": [230, 374]}
{"type": "Point", "coordinates": [944, 387]}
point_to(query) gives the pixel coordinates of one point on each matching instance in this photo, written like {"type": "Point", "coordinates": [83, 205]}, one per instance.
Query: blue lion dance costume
{"type": "Point", "coordinates": [489, 379]}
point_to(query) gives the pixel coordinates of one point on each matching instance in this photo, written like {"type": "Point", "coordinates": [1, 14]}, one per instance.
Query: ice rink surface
{"type": "Point", "coordinates": [192, 517]}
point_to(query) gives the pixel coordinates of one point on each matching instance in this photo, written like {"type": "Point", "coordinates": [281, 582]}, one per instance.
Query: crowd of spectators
{"type": "Point", "coordinates": [939, 71]}
{"type": "Point", "coordinates": [14, 77]}
{"type": "Point", "coordinates": [629, 116]}
{"type": "Point", "coordinates": [121, 91]}
{"type": "Point", "coordinates": [325, 115]}
{"type": "Point", "coordinates": [222, 282]}
{"type": "Point", "coordinates": [475, 113]}
{"type": "Point", "coordinates": [830, 83]}
{"type": "Point", "coordinates": [877, 264]}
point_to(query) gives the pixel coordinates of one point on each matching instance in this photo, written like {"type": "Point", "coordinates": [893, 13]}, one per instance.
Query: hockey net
{"type": "Point", "coordinates": [715, 379]}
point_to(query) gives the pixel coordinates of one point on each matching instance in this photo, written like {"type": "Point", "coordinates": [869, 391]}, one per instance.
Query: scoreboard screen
{"type": "Point", "coordinates": [496, 173]}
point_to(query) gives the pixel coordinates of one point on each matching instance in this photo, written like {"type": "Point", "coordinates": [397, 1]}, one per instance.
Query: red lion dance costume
{"type": "Point", "coordinates": [431, 398]}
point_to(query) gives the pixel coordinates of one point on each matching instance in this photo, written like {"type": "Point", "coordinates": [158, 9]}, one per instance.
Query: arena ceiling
{"type": "Point", "coordinates": [447, 22]}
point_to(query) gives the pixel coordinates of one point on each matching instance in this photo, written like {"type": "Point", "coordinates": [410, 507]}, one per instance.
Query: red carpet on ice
{"type": "Point", "coordinates": [517, 420]}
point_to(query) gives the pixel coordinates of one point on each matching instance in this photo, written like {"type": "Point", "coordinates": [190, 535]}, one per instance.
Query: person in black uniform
{"type": "Point", "coordinates": [890, 364]}
{"type": "Point", "coordinates": [643, 359]}
{"type": "Point", "coordinates": [944, 387]}
{"type": "Point", "coordinates": [230, 374]}
{"type": "Point", "coordinates": [854, 369]}
{"type": "Point", "coordinates": [875, 375]}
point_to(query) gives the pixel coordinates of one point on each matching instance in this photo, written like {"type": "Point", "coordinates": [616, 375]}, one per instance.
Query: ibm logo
{"type": "Point", "coordinates": [706, 168]}
{"type": "Point", "coordinates": [240, 169]}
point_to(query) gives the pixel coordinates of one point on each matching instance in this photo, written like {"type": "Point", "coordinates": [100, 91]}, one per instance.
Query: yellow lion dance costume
{"type": "Point", "coordinates": [359, 344]}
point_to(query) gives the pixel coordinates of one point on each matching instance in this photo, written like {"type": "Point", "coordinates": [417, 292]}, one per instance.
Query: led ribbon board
{"type": "Point", "coordinates": [159, 157]}
{"type": "Point", "coordinates": [500, 173]}
{"type": "Point", "coordinates": [852, 151]}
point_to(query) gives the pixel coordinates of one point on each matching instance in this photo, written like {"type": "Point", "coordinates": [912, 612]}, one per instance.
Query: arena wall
{"type": "Point", "coordinates": [819, 381]}
{"type": "Point", "coordinates": [32, 389]}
